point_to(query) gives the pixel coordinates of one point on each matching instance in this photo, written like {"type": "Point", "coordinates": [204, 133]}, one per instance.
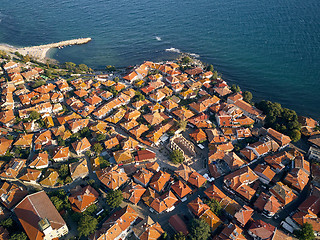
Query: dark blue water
{"type": "Point", "coordinates": [269, 47]}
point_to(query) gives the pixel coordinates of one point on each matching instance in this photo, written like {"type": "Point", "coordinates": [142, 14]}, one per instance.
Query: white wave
{"type": "Point", "coordinates": [194, 55]}
{"type": "Point", "coordinates": [173, 50]}
{"type": "Point", "coordinates": [158, 38]}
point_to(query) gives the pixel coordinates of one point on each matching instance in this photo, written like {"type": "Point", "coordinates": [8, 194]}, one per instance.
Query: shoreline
{"type": "Point", "coordinates": [41, 52]}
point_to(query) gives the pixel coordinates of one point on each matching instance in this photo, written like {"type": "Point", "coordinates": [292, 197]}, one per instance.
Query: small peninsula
{"type": "Point", "coordinates": [160, 150]}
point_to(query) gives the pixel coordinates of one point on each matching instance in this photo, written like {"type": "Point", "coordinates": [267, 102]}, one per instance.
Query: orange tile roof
{"type": "Point", "coordinates": [31, 175]}
{"type": "Point", "coordinates": [112, 177]}
{"type": "Point", "coordinates": [112, 142]}
{"type": "Point", "coordinates": [60, 153]}
{"type": "Point", "coordinates": [13, 168]}
{"type": "Point", "coordinates": [11, 194]}
{"type": "Point", "coordinates": [116, 224]}
{"type": "Point", "coordinates": [32, 209]}
{"type": "Point", "coordinates": [5, 144]}
{"type": "Point", "coordinates": [24, 140]}
{"type": "Point", "coordinates": [50, 179]}
{"type": "Point", "coordinates": [82, 199]}
{"type": "Point", "coordinates": [159, 180]}
{"type": "Point", "coordinates": [123, 156]}
{"type": "Point", "coordinates": [164, 202]}
{"type": "Point", "coordinates": [196, 179]}
{"type": "Point", "coordinates": [181, 189]}
{"type": "Point", "coordinates": [133, 192]}
{"type": "Point", "coordinates": [198, 135]}
{"type": "Point", "coordinates": [244, 215]}
{"type": "Point", "coordinates": [81, 145]}
{"type": "Point", "coordinates": [147, 229]}
{"type": "Point", "coordinates": [197, 207]}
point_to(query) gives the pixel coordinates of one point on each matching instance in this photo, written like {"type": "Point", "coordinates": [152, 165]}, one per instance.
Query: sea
{"type": "Point", "coordinates": [268, 47]}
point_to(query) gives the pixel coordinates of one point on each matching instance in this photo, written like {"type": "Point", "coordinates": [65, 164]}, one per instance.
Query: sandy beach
{"type": "Point", "coordinates": [40, 52]}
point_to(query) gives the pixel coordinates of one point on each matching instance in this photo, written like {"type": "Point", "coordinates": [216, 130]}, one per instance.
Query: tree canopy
{"type": "Point", "coordinates": [247, 96]}
{"type": "Point", "coordinates": [214, 206]}
{"type": "Point", "coordinates": [34, 115]}
{"type": "Point", "coordinates": [306, 232]}
{"type": "Point", "coordinates": [97, 147]}
{"type": "Point", "coordinates": [200, 230]}
{"type": "Point", "coordinates": [235, 88]}
{"type": "Point", "coordinates": [114, 198]}
{"type": "Point", "coordinates": [87, 225]}
{"type": "Point", "coordinates": [281, 119]}
{"type": "Point", "coordinates": [179, 236]}
{"type": "Point", "coordinates": [176, 156]}
{"type": "Point", "coordinates": [18, 236]}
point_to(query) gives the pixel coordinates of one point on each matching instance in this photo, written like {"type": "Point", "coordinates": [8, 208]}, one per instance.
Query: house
{"type": "Point", "coordinates": [11, 194]}
{"type": "Point", "coordinates": [142, 176]}
{"type": "Point", "coordinates": [50, 178]}
{"type": "Point", "coordinates": [111, 143]}
{"type": "Point", "coordinates": [178, 225]}
{"type": "Point", "coordinates": [297, 179]}
{"type": "Point", "coordinates": [283, 193]}
{"type": "Point", "coordinates": [198, 135]}
{"type": "Point", "coordinates": [181, 189]}
{"type": "Point", "coordinates": [240, 180]}
{"type": "Point", "coordinates": [268, 204]}
{"type": "Point", "coordinates": [31, 175]}
{"type": "Point", "coordinates": [60, 154]}
{"type": "Point", "coordinates": [131, 77]}
{"type": "Point", "coordinates": [81, 145]}
{"type": "Point", "coordinates": [231, 231]}
{"type": "Point", "coordinates": [149, 196]}
{"type": "Point", "coordinates": [133, 192]}
{"type": "Point", "coordinates": [7, 118]}
{"type": "Point", "coordinates": [196, 179]}
{"type": "Point", "coordinates": [279, 160]}
{"type": "Point", "coordinates": [259, 229]}
{"type": "Point", "coordinates": [147, 229]}
{"type": "Point", "coordinates": [228, 204]}
{"type": "Point", "coordinates": [243, 215]}
{"type": "Point", "coordinates": [112, 177]}
{"type": "Point", "coordinates": [24, 141]}
{"type": "Point", "coordinates": [117, 226]}
{"type": "Point", "coordinates": [79, 169]}
{"type": "Point", "coordinates": [183, 113]}
{"type": "Point", "coordinates": [129, 144]}
{"type": "Point", "coordinates": [75, 125]}
{"type": "Point", "coordinates": [13, 168]}
{"type": "Point", "coordinates": [39, 218]}
{"type": "Point", "coordinates": [265, 173]}
{"type": "Point", "coordinates": [159, 181]}
{"type": "Point", "coordinates": [153, 118]}
{"type": "Point", "coordinates": [250, 111]}
{"type": "Point", "coordinates": [123, 156]}
{"type": "Point", "coordinates": [5, 145]}
{"type": "Point", "coordinates": [145, 155]}
{"type": "Point", "coordinates": [202, 211]}
{"type": "Point", "coordinates": [164, 203]}
{"type": "Point", "coordinates": [83, 198]}
{"type": "Point", "coordinates": [281, 139]}
{"type": "Point", "coordinates": [200, 121]}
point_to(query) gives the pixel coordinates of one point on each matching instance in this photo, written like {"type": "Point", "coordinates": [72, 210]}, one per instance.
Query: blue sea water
{"type": "Point", "coordinates": [269, 47]}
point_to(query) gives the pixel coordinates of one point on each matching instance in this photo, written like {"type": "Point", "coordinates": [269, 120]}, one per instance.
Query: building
{"type": "Point", "coordinates": [39, 218]}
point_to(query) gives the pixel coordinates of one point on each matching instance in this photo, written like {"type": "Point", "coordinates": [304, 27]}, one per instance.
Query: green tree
{"type": "Point", "coordinates": [235, 88]}
{"type": "Point", "coordinates": [116, 79]}
{"type": "Point", "coordinates": [200, 230]}
{"type": "Point", "coordinates": [182, 125]}
{"type": "Point", "coordinates": [69, 65]}
{"type": "Point", "coordinates": [215, 75]}
{"type": "Point", "coordinates": [91, 209]}
{"type": "Point", "coordinates": [97, 148]}
{"type": "Point", "coordinates": [104, 162]}
{"type": "Point", "coordinates": [57, 202]}
{"type": "Point", "coordinates": [295, 135]}
{"type": "Point", "coordinates": [83, 67]}
{"type": "Point", "coordinates": [214, 206]}
{"type": "Point", "coordinates": [63, 171]}
{"type": "Point", "coordinates": [34, 115]}
{"type": "Point", "coordinates": [114, 198]}
{"type": "Point", "coordinates": [18, 236]}
{"type": "Point", "coordinates": [110, 68]}
{"type": "Point", "coordinates": [210, 68]}
{"type": "Point", "coordinates": [101, 137]}
{"type": "Point", "coordinates": [139, 96]}
{"type": "Point", "coordinates": [87, 225]}
{"type": "Point", "coordinates": [26, 58]}
{"type": "Point", "coordinates": [247, 96]}
{"type": "Point", "coordinates": [186, 60]}
{"type": "Point", "coordinates": [176, 156]}
{"type": "Point", "coordinates": [7, 223]}
{"type": "Point", "coordinates": [306, 232]}
{"type": "Point", "coordinates": [179, 236]}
